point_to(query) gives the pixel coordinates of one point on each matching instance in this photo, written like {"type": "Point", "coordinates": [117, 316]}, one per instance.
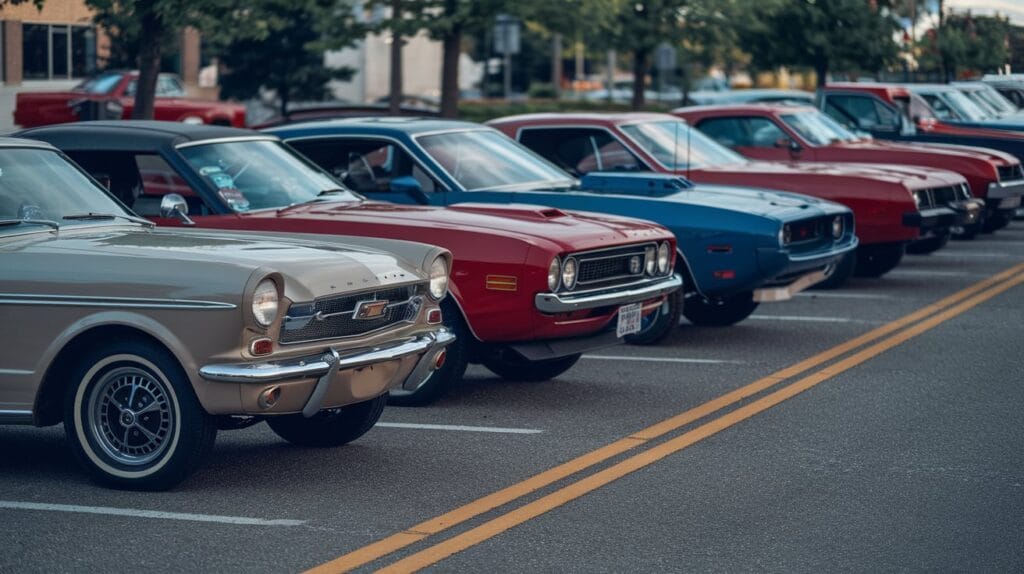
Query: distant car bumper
{"type": "Point", "coordinates": [569, 302]}
{"type": "Point", "coordinates": [1005, 195]}
{"type": "Point", "coordinates": [334, 367]}
{"type": "Point", "coordinates": [931, 218]}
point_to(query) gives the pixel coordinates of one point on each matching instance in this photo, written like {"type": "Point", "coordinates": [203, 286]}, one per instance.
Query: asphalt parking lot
{"type": "Point", "coordinates": [875, 428]}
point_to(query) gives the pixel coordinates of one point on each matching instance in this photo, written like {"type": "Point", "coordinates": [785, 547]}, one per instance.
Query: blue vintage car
{"type": "Point", "coordinates": [738, 246]}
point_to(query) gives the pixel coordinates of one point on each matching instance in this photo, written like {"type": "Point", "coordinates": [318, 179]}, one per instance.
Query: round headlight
{"type": "Point", "coordinates": [785, 235]}
{"type": "Point", "coordinates": [663, 257]}
{"type": "Point", "coordinates": [837, 227]}
{"type": "Point", "coordinates": [554, 274]}
{"type": "Point", "coordinates": [438, 278]}
{"type": "Point", "coordinates": [650, 259]}
{"type": "Point", "coordinates": [917, 199]}
{"type": "Point", "coordinates": [569, 273]}
{"type": "Point", "coordinates": [264, 303]}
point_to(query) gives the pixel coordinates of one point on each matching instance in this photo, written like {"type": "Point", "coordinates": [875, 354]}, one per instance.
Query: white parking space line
{"type": "Point", "coordinates": [971, 254]}
{"type": "Point", "coordinates": [135, 513]}
{"type": "Point", "coordinates": [840, 295]}
{"type": "Point", "coordinates": [810, 319]}
{"type": "Point", "coordinates": [460, 428]}
{"type": "Point", "coordinates": [661, 360]}
{"type": "Point", "coordinates": [928, 273]}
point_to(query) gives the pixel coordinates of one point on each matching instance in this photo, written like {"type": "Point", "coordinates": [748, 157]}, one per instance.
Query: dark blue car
{"type": "Point", "coordinates": [738, 247]}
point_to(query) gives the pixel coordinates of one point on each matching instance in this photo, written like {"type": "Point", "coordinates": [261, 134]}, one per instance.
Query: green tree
{"type": "Point", "coordinates": [284, 50]}
{"type": "Point", "coordinates": [820, 34]}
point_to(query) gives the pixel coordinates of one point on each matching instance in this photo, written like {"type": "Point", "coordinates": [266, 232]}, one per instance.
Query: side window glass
{"type": "Point", "coordinates": [580, 151]}
{"type": "Point", "coordinates": [939, 107]}
{"type": "Point", "coordinates": [861, 109]}
{"type": "Point", "coordinates": [763, 132]}
{"type": "Point", "coordinates": [116, 171]}
{"type": "Point", "coordinates": [366, 166]}
{"type": "Point", "coordinates": [611, 155]}
{"type": "Point", "coordinates": [726, 131]}
{"type": "Point", "coordinates": [157, 179]}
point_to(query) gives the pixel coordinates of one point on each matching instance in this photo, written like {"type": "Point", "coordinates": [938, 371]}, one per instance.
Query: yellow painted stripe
{"type": "Point", "coordinates": [440, 551]}
{"type": "Point", "coordinates": [400, 540]}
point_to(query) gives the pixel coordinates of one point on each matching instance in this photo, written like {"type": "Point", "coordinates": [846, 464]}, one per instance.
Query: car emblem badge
{"type": "Point", "coordinates": [370, 309]}
{"type": "Point", "coordinates": [635, 265]}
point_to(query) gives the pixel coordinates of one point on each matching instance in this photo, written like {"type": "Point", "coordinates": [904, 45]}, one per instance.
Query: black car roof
{"type": "Point", "coordinates": [130, 135]}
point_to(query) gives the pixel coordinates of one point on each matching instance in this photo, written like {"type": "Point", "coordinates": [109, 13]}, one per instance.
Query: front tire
{"type": "Point", "coordinates": [929, 245]}
{"type": "Point", "coordinates": [451, 372]}
{"type": "Point", "coordinates": [329, 427]}
{"type": "Point", "coordinates": [878, 259]}
{"type": "Point", "coordinates": [520, 369]}
{"type": "Point", "coordinates": [719, 312]}
{"type": "Point", "coordinates": [660, 322]}
{"type": "Point", "coordinates": [133, 419]}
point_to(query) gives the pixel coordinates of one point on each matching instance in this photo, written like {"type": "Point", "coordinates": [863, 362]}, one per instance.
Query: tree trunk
{"type": "Point", "coordinates": [821, 70]}
{"type": "Point", "coordinates": [556, 64]}
{"type": "Point", "coordinates": [639, 77]}
{"type": "Point", "coordinates": [152, 28]}
{"type": "Point", "coordinates": [397, 42]}
{"type": "Point", "coordinates": [452, 48]}
{"type": "Point", "coordinates": [282, 96]}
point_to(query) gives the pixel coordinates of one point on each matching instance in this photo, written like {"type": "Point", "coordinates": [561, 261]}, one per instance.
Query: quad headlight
{"type": "Point", "coordinates": [569, 268]}
{"type": "Point", "coordinates": [837, 227]}
{"type": "Point", "coordinates": [785, 235]}
{"type": "Point", "coordinates": [265, 303]}
{"type": "Point", "coordinates": [650, 259]}
{"type": "Point", "coordinates": [663, 258]}
{"type": "Point", "coordinates": [438, 278]}
{"type": "Point", "coordinates": [554, 274]}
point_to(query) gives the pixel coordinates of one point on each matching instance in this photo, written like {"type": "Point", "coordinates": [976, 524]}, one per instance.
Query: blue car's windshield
{"type": "Point", "coordinates": [817, 128]}
{"type": "Point", "coordinates": [963, 106]}
{"type": "Point", "coordinates": [100, 84]}
{"type": "Point", "coordinates": [482, 159]}
{"type": "Point", "coordinates": [677, 146]}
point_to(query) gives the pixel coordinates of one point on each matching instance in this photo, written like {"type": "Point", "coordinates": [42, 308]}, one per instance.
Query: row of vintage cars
{"type": "Point", "coordinates": [162, 281]}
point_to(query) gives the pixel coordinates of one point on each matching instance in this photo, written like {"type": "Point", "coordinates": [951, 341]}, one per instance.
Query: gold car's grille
{"type": "Point", "coordinates": [349, 315]}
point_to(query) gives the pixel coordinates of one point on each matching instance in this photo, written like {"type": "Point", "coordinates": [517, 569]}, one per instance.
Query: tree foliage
{"type": "Point", "coordinates": [284, 48]}
{"type": "Point", "coordinates": [966, 44]}
{"type": "Point", "coordinates": [821, 34]}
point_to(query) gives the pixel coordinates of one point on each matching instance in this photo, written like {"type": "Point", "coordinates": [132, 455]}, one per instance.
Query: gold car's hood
{"type": "Point", "coordinates": [135, 262]}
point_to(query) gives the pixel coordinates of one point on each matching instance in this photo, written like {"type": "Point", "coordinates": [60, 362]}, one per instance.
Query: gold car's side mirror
{"type": "Point", "coordinates": [174, 205]}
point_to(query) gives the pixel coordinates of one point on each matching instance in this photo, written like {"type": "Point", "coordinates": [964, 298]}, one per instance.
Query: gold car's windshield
{"type": "Point", "coordinates": [260, 174]}
{"type": "Point", "coordinates": [38, 187]}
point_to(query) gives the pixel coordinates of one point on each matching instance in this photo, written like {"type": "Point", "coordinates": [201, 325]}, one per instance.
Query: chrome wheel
{"type": "Point", "coordinates": [130, 416]}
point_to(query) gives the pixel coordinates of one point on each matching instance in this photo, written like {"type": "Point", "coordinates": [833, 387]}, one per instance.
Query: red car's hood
{"type": "Point", "coordinates": [895, 150]}
{"type": "Point", "coordinates": [571, 231]}
{"type": "Point", "coordinates": [761, 172]}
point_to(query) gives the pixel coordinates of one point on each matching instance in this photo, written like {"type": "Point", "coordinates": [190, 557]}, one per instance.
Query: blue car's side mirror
{"type": "Point", "coordinates": [408, 185]}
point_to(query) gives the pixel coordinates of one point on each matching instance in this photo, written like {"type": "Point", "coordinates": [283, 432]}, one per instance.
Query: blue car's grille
{"type": "Point", "coordinates": [1011, 172]}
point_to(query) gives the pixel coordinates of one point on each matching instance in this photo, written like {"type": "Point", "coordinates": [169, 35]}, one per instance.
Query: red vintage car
{"type": "Point", "coordinates": [111, 95]}
{"type": "Point", "coordinates": [777, 132]}
{"type": "Point", "coordinates": [532, 288]}
{"type": "Point", "coordinates": [884, 199]}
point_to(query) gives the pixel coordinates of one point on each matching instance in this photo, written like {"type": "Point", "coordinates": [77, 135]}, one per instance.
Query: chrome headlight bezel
{"type": "Point", "coordinates": [838, 227]}
{"type": "Point", "coordinates": [438, 286]}
{"type": "Point", "coordinates": [650, 260]}
{"type": "Point", "coordinates": [554, 274]}
{"type": "Point", "coordinates": [266, 303]}
{"type": "Point", "coordinates": [785, 235]}
{"type": "Point", "coordinates": [664, 257]}
{"type": "Point", "coordinates": [570, 272]}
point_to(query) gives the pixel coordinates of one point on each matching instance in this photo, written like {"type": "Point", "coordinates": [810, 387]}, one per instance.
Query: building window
{"type": "Point", "coordinates": [55, 52]}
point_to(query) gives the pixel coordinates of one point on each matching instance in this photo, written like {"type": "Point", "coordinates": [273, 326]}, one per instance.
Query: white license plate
{"type": "Point", "coordinates": [629, 320]}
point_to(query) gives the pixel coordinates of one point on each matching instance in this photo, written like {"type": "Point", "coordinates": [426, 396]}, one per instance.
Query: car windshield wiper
{"type": "Point", "coordinates": [321, 197]}
{"type": "Point", "coordinates": [100, 216]}
{"type": "Point", "coordinates": [47, 222]}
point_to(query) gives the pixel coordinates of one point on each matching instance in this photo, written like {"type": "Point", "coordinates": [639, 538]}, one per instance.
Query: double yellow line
{"type": "Point", "coordinates": [874, 343]}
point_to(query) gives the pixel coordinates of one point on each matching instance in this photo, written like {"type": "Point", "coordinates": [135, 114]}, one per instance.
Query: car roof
{"type": "Point", "coordinates": [583, 117]}
{"type": "Point", "coordinates": [9, 142]}
{"type": "Point", "coordinates": [130, 135]}
{"type": "Point", "coordinates": [757, 108]}
{"type": "Point", "coordinates": [403, 124]}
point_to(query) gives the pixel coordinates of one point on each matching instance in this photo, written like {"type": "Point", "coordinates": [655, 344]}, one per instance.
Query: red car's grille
{"type": "Point", "coordinates": [334, 317]}
{"type": "Point", "coordinates": [1011, 172]}
{"type": "Point", "coordinates": [610, 267]}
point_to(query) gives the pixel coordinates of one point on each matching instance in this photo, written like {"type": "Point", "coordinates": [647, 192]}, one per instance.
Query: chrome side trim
{"type": "Point", "coordinates": [15, 417]}
{"type": "Point", "coordinates": [566, 302]}
{"type": "Point", "coordinates": [114, 302]}
{"type": "Point", "coordinates": [268, 138]}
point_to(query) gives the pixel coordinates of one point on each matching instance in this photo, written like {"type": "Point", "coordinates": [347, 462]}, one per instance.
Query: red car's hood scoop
{"type": "Point", "coordinates": [519, 211]}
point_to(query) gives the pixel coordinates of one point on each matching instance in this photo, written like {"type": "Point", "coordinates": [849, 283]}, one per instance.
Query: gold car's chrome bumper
{"type": "Point", "coordinates": [325, 366]}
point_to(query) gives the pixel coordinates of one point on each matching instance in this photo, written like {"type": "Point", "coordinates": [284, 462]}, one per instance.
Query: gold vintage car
{"type": "Point", "coordinates": [144, 342]}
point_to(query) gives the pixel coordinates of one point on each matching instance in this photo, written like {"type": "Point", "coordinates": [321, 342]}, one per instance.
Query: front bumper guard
{"type": "Point", "coordinates": [568, 302]}
{"type": "Point", "coordinates": [327, 364]}
{"type": "Point", "coordinates": [1006, 194]}
{"type": "Point", "coordinates": [785, 293]}
{"type": "Point", "coordinates": [932, 218]}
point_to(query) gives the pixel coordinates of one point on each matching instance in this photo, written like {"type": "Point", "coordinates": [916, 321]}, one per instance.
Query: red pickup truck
{"type": "Point", "coordinates": [111, 95]}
